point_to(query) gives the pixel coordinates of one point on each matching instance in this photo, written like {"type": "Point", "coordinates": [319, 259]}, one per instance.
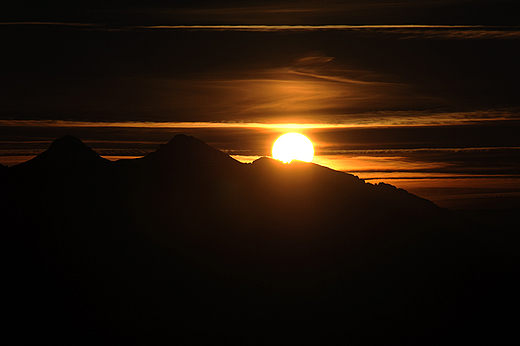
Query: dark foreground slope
{"type": "Point", "coordinates": [188, 244]}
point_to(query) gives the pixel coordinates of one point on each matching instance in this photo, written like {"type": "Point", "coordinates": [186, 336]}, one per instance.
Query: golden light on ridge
{"type": "Point", "coordinates": [293, 146]}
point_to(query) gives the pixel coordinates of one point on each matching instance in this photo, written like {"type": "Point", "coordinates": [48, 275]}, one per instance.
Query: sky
{"type": "Point", "coordinates": [420, 94]}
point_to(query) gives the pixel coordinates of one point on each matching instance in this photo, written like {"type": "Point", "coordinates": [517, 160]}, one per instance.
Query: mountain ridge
{"type": "Point", "coordinates": [188, 241]}
{"type": "Point", "coordinates": [181, 150]}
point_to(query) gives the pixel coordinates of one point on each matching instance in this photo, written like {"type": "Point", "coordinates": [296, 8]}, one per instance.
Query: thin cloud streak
{"type": "Point", "coordinates": [456, 34]}
{"type": "Point", "coordinates": [336, 78]}
{"type": "Point", "coordinates": [408, 31]}
{"type": "Point", "coordinates": [170, 125]}
{"type": "Point", "coordinates": [307, 27]}
{"type": "Point", "coordinates": [256, 27]}
{"type": "Point", "coordinates": [355, 121]}
{"type": "Point", "coordinates": [418, 150]}
{"type": "Point", "coordinates": [460, 32]}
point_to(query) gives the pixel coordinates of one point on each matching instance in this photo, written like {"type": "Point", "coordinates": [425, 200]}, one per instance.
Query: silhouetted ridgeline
{"type": "Point", "coordinates": [189, 244]}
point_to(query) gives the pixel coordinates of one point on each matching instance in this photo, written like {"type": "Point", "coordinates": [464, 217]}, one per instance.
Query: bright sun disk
{"type": "Point", "coordinates": [293, 146]}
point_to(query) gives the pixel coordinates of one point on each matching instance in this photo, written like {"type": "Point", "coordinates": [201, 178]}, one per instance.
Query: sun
{"type": "Point", "coordinates": [293, 146]}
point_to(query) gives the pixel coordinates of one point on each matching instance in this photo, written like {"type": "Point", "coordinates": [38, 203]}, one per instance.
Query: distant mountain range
{"type": "Point", "coordinates": [188, 244]}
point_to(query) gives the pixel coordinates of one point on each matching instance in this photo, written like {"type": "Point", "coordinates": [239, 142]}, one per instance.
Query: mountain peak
{"type": "Point", "coordinates": [67, 144]}
{"type": "Point", "coordinates": [66, 152]}
{"type": "Point", "coordinates": [188, 150]}
{"type": "Point", "coordinates": [182, 138]}
{"type": "Point", "coordinates": [71, 148]}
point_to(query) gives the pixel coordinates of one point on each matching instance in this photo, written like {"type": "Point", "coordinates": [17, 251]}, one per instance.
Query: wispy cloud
{"type": "Point", "coordinates": [458, 32]}
{"type": "Point", "coordinates": [475, 33]}
{"type": "Point", "coordinates": [360, 120]}
{"type": "Point", "coordinates": [339, 27]}
{"type": "Point", "coordinates": [440, 162]}
{"type": "Point", "coordinates": [322, 67]}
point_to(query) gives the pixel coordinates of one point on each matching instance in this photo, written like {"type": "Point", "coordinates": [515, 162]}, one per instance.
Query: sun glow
{"type": "Point", "coordinates": [293, 146]}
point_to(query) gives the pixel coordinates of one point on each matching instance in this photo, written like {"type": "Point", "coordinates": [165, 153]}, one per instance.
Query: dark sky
{"type": "Point", "coordinates": [63, 72]}
{"type": "Point", "coordinates": [477, 12]}
{"type": "Point", "coordinates": [109, 61]}
{"type": "Point", "coordinates": [111, 64]}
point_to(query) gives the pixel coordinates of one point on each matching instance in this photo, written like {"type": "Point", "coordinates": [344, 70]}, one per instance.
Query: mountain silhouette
{"type": "Point", "coordinates": [3, 170]}
{"type": "Point", "coordinates": [189, 244]}
{"type": "Point", "coordinates": [67, 152]}
{"type": "Point", "coordinates": [186, 151]}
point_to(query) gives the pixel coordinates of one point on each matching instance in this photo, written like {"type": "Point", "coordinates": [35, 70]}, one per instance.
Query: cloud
{"type": "Point", "coordinates": [425, 162]}
{"type": "Point", "coordinates": [313, 87]}
{"type": "Point", "coordinates": [438, 32]}
{"type": "Point", "coordinates": [470, 33]}
{"type": "Point", "coordinates": [388, 119]}
{"type": "Point", "coordinates": [459, 32]}
{"type": "Point", "coordinates": [322, 67]}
